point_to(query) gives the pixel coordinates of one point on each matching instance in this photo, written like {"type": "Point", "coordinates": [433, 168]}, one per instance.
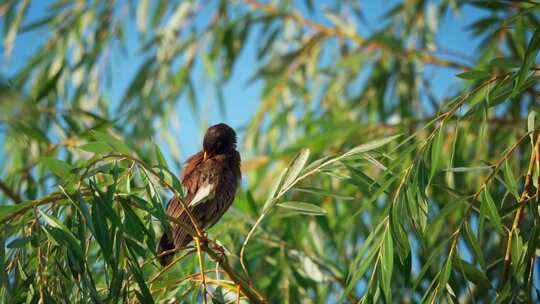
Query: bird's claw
{"type": "Point", "coordinates": [203, 239]}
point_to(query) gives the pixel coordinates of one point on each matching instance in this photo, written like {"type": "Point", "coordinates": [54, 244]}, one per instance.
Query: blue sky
{"type": "Point", "coordinates": [241, 99]}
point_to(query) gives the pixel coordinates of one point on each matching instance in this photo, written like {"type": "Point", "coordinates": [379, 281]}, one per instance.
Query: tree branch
{"type": "Point", "coordinates": [519, 213]}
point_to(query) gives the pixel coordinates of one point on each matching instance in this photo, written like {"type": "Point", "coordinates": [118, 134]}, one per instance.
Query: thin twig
{"type": "Point", "coordinates": [536, 223]}
{"type": "Point", "coordinates": [519, 212]}
{"type": "Point", "coordinates": [201, 266]}
{"type": "Point", "coordinates": [246, 287]}
{"type": "Point", "coordinates": [166, 268]}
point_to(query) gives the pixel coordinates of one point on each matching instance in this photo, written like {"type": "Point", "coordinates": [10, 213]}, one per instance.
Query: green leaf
{"type": "Point", "coordinates": [474, 75]}
{"type": "Point", "coordinates": [339, 21]}
{"type": "Point", "coordinates": [360, 268]}
{"type": "Point", "coordinates": [304, 208]}
{"type": "Point", "coordinates": [115, 143]}
{"type": "Point", "coordinates": [142, 13]}
{"type": "Point", "coordinates": [8, 210]}
{"type": "Point", "coordinates": [510, 180]}
{"type": "Point", "coordinates": [50, 85]}
{"type": "Point", "coordinates": [159, 156]}
{"type": "Point", "coordinates": [101, 230]}
{"type": "Point", "coordinates": [66, 235]}
{"type": "Point", "coordinates": [19, 243]}
{"type": "Point", "coordinates": [98, 147]}
{"type": "Point", "coordinates": [445, 273]}
{"type": "Point", "coordinates": [364, 257]}
{"type": "Point", "coordinates": [436, 155]}
{"type": "Point", "coordinates": [58, 167]}
{"type": "Point", "coordinates": [474, 244]}
{"type": "Point", "coordinates": [387, 264]}
{"type": "Point", "coordinates": [144, 295]}
{"type": "Point", "coordinates": [492, 211]}
{"type": "Point", "coordinates": [170, 178]}
{"type": "Point", "coordinates": [159, 12]}
{"type": "Point", "coordinates": [273, 190]}
{"type": "Point", "coordinates": [372, 145]}
{"type": "Point", "coordinates": [295, 168]}
{"type": "Point", "coordinates": [133, 224]}
{"type": "Point", "coordinates": [473, 274]}
{"type": "Point", "coordinates": [503, 62]}
{"type": "Point", "coordinates": [208, 66]}
{"type": "Point", "coordinates": [518, 251]}
{"type": "Point", "coordinates": [528, 60]}
{"type": "Point", "coordinates": [469, 169]}
{"type": "Point", "coordinates": [13, 27]}
{"type": "Point", "coordinates": [398, 232]}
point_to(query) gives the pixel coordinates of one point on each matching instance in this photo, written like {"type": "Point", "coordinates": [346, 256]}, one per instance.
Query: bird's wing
{"type": "Point", "coordinates": [205, 192]}
{"type": "Point", "coordinates": [190, 165]}
{"type": "Point", "coordinates": [200, 184]}
{"type": "Point", "coordinates": [191, 174]}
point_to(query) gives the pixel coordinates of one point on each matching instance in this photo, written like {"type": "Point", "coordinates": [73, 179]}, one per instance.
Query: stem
{"type": "Point", "coordinates": [201, 266]}
{"type": "Point", "coordinates": [519, 212]}
{"type": "Point", "coordinates": [245, 287]}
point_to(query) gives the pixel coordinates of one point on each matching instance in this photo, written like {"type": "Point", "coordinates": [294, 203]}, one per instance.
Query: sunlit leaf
{"type": "Point", "coordinates": [295, 168]}
{"type": "Point", "coordinates": [372, 145]}
{"type": "Point", "coordinates": [304, 208]}
{"type": "Point", "coordinates": [58, 167]}
{"type": "Point", "coordinates": [98, 147]}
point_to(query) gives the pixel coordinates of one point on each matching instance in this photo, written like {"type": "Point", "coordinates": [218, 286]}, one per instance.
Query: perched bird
{"type": "Point", "coordinates": [210, 178]}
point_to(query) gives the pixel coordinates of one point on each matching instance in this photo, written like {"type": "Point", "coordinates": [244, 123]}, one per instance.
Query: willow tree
{"type": "Point", "coordinates": [360, 184]}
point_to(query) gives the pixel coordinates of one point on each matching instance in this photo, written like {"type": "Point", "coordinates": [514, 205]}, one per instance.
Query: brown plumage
{"type": "Point", "coordinates": [210, 178]}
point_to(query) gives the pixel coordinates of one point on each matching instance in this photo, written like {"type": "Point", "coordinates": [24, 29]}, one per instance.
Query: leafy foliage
{"type": "Point", "coordinates": [360, 184]}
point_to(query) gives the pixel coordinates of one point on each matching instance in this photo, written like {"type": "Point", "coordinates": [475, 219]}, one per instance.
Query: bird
{"type": "Point", "coordinates": [210, 178]}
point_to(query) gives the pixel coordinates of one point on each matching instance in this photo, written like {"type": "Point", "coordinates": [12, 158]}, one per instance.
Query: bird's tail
{"type": "Point", "coordinates": [165, 244]}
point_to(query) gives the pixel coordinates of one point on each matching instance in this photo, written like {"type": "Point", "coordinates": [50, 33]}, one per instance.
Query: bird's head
{"type": "Point", "coordinates": [218, 139]}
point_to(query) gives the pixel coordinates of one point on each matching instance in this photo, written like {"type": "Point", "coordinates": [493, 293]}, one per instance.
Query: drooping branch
{"type": "Point", "coordinates": [367, 45]}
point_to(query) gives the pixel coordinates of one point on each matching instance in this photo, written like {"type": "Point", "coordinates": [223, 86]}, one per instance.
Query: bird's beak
{"type": "Point", "coordinates": [205, 156]}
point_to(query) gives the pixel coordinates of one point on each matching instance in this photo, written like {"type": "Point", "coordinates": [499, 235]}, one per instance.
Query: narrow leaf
{"type": "Point", "coordinates": [296, 167]}
{"type": "Point", "coordinates": [58, 167]}
{"type": "Point", "coordinates": [474, 75]}
{"type": "Point", "coordinates": [304, 208]}
{"type": "Point", "coordinates": [372, 145]}
{"type": "Point", "coordinates": [387, 264]}
{"type": "Point", "coordinates": [98, 147]}
{"type": "Point", "coordinates": [510, 180]}
{"type": "Point", "coordinates": [492, 211]}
